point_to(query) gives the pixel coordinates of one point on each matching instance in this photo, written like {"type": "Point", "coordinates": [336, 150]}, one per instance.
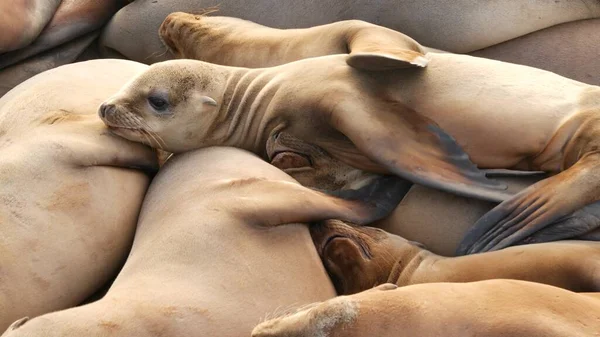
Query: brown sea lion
{"type": "Point", "coordinates": [358, 258]}
{"type": "Point", "coordinates": [571, 49]}
{"type": "Point", "coordinates": [208, 258]}
{"type": "Point", "coordinates": [73, 18]}
{"type": "Point", "coordinates": [21, 21]}
{"type": "Point", "coordinates": [392, 122]}
{"type": "Point", "coordinates": [69, 199]}
{"type": "Point", "coordinates": [456, 26]}
{"type": "Point", "coordinates": [494, 308]}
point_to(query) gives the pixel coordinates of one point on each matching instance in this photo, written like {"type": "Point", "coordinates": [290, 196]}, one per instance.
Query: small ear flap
{"type": "Point", "coordinates": [414, 148]}
{"type": "Point", "coordinates": [388, 60]}
{"type": "Point", "coordinates": [18, 323]}
{"type": "Point", "coordinates": [208, 101]}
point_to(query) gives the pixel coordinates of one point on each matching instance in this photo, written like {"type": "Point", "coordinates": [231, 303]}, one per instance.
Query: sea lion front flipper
{"type": "Point", "coordinates": [375, 48]}
{"type": "Point", "coordinates": [287, 202]}
{"type": "Point", "coordinates": [388, 60]}
{"type": "Point", "coordinates": [541, 208]}
{"type": "Point", "coordinates": [414, 148]}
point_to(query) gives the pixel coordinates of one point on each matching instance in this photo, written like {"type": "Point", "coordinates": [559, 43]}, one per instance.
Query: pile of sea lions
{"type": "Point", "coordinates": [290, 169]}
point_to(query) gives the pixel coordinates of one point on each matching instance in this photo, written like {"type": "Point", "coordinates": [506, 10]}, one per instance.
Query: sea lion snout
{"type": "Point", "coordinates": [106, 109]}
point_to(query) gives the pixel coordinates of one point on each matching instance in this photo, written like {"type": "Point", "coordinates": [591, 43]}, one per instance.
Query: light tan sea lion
{"type": "Point", "coordinates": [72, 19]}
{"type": "Point", "coordinates": [21, 21]}
{"type": "Point", "coordinates": [570, 49]}
{"type": "Point", "coordinates": [358, 258]}
{"type": "Point", "coordinates": [208, 258]}
{"type": "Point", "coordinates": [68, 199]}
{"type": "Point", "coordinates": [494, 308]}
{"type": "Point", "coordinates": [189, 104]}
{"type": "Point", "coordinates": [457, 26]}
{"type": "Point", "coordinates": [240, 43]}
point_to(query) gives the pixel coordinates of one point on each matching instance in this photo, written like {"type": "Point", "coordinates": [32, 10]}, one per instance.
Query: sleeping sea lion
{"type": "Point", "coordinates": [208, 257]}
{"type": "Point", "coordinates": [392, 122]}
{"type": "Point", "coordinates": [69, 198]}
{"type": "Point", "coordinates": [456, 26]}
{"type": "Point", "coordinates": [493, 308]}
{"type": "Point", "coordinates": [358, 258]}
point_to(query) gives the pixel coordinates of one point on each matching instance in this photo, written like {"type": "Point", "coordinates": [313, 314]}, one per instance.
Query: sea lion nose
{"type": "Point", "coordinates": [106, 109]}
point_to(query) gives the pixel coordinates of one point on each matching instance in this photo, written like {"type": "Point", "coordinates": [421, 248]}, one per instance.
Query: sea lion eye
{"type": "Point", "coordinates": [158, 103]}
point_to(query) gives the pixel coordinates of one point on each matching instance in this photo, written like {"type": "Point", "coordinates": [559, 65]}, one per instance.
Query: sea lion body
{"type": "Point", "coordinates": [208, 258]}
{"type": "Point", "coordinates": [69, 198]}
{"type": "Point", "coordinates": [569, 49]}
{"type": "Point", "coordinates": [456, 26]}
{"type": "Point", "coordinates": [357, 258]}
{"type": "Point", "coordinates": [492, 308]}
{"type": "Point", "coordinates": [72, 19]}
{"type": "Point", "coordinates": [503, 116]}
{"type": "Point", "coordinates": [23, 20]}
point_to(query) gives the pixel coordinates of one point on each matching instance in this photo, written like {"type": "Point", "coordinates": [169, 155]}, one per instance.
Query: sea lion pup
{"type": "Point", "coordinates": [392, 122]}
{"type": "Point", "coordinates": [455, 26]}
{"type": "Point", "coordinates": [358, 258]}
{"type": "Point", "coordinates": [208, 258]}
{"type": "Point", "coordinates": [69, 198]}
{"type": "Point", "coordinates": [240, 43]}
{"type": "Point", "coordinates": [493, 308]}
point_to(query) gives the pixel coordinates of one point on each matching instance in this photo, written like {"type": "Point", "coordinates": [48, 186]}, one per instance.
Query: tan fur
{"type": "Point", "coordinates": [456, 26]}
{"type": "Point", "coordinates": [69, 198]}
{"type": "Point", "coordinates": [22, 21]}
{"type": "Point", "coordinates": [345, 114]}
{"type": "Point", "coordinates": [199, 265]}
{"type": "Point", "coordinates": [357, 258]}
{"type": "Point", "coordinates": [493, 308]}
{"type": "Point", "coordinates": [240, 43]}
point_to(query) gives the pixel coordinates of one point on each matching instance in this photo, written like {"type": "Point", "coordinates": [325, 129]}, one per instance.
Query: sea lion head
{"type": "Point", "coordinates": [172, 105]}
{"type": "Point", "coordinates": [359, 258]}
{"type": "Point", "coordinates": [178, 33]}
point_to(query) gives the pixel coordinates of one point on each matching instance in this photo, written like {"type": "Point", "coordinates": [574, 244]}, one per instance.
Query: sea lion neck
{"type": "Point", "coordinates": [243, 120]}
{"type": "Point", "coordinates": [409, 266]}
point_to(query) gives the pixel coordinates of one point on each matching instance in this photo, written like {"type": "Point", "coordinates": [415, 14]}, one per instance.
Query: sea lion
{"type": "Point", "coordinates": [66, 53]}
{"type": "Point", "coordinates": [456, 26]}
{"type": "Point", "coordinates": [358, 258]}
{"type": "Point", "coordinates": [240, 43]}
{"type": "Point", "coordinates": [493, 308]}
{"type": "Point", "coordinates": [208, 258]}
{"type": "Point", "coordinates": [69, 198]}
{"type": "Point", "coordinates": [569, 49]}
{"type": "Point", "coordinates": [21, 21]}
{"type": "Point", "coordinates": [429, 120]}
{"type": "Point", "coordinates": [73, 18]}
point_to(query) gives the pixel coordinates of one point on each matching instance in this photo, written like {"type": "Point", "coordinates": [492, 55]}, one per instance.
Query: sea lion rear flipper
{"type": "Point", "coordinates": [414, 148]}
{"type": "Point", "coordinates": [287, 202]}
{"type": "Point", "coordinates": [539, 213]}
